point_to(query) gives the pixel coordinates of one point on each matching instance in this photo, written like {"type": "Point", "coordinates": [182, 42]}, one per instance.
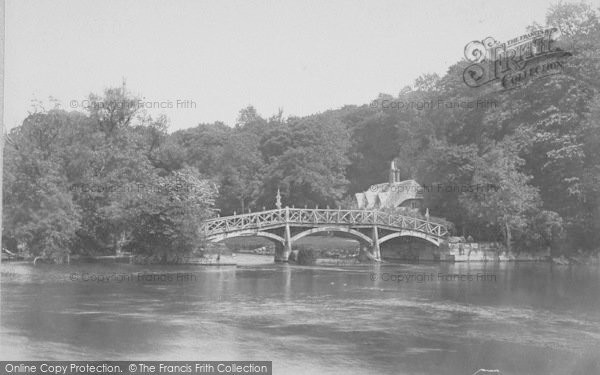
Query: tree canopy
{"type": "Point", "coordinates": [114, 178]}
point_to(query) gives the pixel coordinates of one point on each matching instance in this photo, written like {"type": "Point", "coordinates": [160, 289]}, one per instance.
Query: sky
{"type": "Point", "coordinates": [202, 61]}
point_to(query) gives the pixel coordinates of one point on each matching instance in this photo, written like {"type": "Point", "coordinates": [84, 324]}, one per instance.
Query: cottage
{"type": "Point", "coordinates": [392, 194]}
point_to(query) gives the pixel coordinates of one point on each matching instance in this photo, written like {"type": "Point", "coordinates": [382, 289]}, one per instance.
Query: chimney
{"type": "Point", "coordinates": [392, 173]}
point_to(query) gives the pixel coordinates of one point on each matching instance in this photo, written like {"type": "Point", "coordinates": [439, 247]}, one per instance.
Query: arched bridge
{"type": "Point", "coordinates": [286, 225]}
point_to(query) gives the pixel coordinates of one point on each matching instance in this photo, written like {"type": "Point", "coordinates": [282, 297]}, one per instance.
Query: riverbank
{"type": "Point", "coordinates": [458, 250]}
{"type": "Point", "coordinates": [327, 250]}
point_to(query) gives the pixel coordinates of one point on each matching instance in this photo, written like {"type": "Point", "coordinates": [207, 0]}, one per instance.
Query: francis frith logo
{"type": "Point", "coordinates": [515, 62]}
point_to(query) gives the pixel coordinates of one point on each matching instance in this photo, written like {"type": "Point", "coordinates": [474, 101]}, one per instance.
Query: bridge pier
{"type": "Point", "coordinates": [282, 252]}
{"type": "Point", "coordinates": [376, 250]}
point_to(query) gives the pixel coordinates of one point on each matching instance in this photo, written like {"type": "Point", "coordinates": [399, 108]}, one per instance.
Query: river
{"type": "Point", "coordinates": [529, 318]}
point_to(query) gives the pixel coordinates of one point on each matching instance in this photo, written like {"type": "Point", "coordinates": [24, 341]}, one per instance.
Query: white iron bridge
{"type": "Point", "coordinates": [286, 225]}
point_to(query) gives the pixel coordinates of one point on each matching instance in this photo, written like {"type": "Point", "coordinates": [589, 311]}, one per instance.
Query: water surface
{"type": "Point", "coordinates": [535, 318]}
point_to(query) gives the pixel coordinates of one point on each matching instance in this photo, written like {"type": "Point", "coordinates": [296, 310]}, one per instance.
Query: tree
{"type": "Point", "coordinates": [165, 216]}
{"type": "Point", "coordinates": [427, 82]}
{"type": "Point", "coordinates": [114, 110]}
{"type": "Point", "coordinates": [241, 172]}
{"type": "Point", "coordinates": [74, 180]}
{"type": "Point", "coordinates": [38, 211]}
{"type": "Point", "coordinates": [203, 146]}
{"type": "Point", "coordinates": [505, 198]}
{"type": "Point", "coordinates": [311, 170]}
{"type": "Point", "coordinates": [573, 18]}
{"type": "Point", "coordinates": [445, 165]}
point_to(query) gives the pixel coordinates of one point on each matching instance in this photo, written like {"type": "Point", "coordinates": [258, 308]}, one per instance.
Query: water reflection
{"type": "Point", "coordinates": [533, 319]}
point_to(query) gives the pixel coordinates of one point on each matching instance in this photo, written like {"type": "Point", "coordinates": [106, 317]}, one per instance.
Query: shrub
{"type": "Point", "coordinates": [307, 256]}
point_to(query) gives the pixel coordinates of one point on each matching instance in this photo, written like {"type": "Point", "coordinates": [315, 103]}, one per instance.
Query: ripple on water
{"type": "Point", "coordinates": [324, 320]}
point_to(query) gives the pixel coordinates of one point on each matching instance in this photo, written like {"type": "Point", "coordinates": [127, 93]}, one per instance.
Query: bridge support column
{"type": "Point", "coordinates": [376, 251]}
{"type": "Point", "coordinates": [282, 253]}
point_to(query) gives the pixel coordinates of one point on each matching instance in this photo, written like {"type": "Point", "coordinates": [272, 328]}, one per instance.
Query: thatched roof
{"type": "Point", "coordinates": [388, 195]}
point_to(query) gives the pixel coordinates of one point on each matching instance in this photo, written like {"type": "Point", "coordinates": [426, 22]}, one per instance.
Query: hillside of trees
{"type": "Point", "coordinates": [114, 179]}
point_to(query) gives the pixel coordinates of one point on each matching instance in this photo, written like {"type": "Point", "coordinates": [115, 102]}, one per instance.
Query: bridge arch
{"type": "Point", "coordinates": [410, 233]}
{"type": "Point", "coordinates": [247, 233]}
{"type": "Point", "coordinates": [360, 236]}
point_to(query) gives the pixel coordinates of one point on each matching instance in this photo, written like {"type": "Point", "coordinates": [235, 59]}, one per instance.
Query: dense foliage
{"type": "Point", "coordinates": [537, 144]}
{"type": "Point", "coordinates": [96, 184]}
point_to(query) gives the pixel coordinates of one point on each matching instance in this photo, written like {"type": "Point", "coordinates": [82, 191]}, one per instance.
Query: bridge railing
{"type": "Point", "coordinates": [364, 217]}
{"type": "Point", "coordinates": [317, 216]}
{"type": "Point", "coordinates": [245, 221]}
